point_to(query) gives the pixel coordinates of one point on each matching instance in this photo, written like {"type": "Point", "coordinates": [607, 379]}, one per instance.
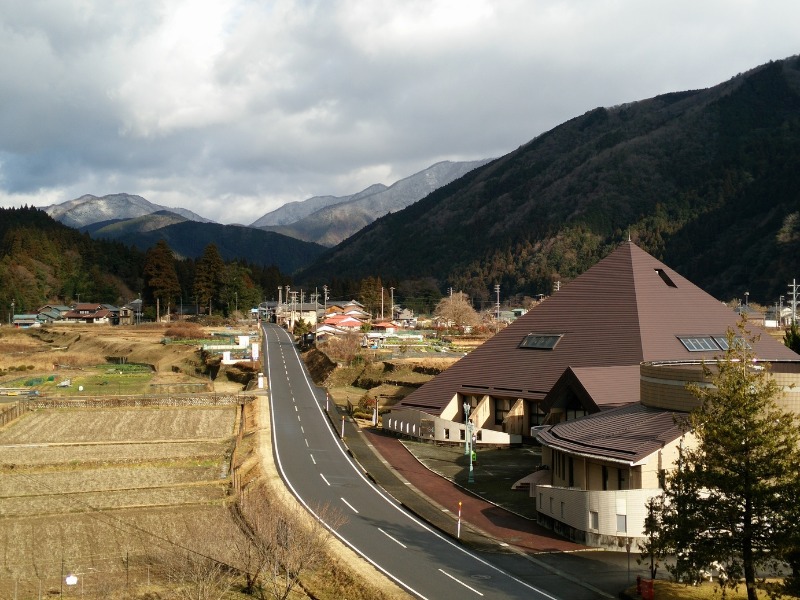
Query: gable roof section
{"type": "Point", "coordinates": [624, 435]}
{"type": "Point", "coordinates": [597, 388]}
{"type": "Point", "coordinates": [628, 308]}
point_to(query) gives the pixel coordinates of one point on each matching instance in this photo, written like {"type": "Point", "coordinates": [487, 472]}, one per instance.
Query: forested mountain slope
{"type": "Point", "coordinates": [707, 181]}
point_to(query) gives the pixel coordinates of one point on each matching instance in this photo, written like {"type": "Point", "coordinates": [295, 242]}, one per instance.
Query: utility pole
{"type": "Point", "coordinates": [497, 322]}
{"type": "Point", "coordinates": [793, 292]}
{"type": "Point", "coordinates": [468, 448]}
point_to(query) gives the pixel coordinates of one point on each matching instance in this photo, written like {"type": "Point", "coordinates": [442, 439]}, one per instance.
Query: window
{"type": "Point", "coordinates": [622, 523]}
{"type": "Point", "coordinates": [704, 343]}
{"type": "Point", "coordinates": [605, 478]}
{"type": "Point", "coordinates": [665, 278]}
{"type": "Point", "coordinates": [447, 434]}
{"type": "Point", "coordinates": [699, 344]}
{"type": "Point", "coordinates": [501, 408]}
{"type": "Point", "coordinates": [594, 520]}
{"type": "Point", "coordinates": [541, 341]}
{"type": "Point", "coordinates": [462, 435]}
{"type": "Point", "coordinates": [562, 510]}
{"type": "Point", "coordinates": [722, 341]}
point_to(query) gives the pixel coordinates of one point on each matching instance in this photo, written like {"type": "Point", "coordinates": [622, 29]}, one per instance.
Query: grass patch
{"type": "Point", "coordinates": [671, 590]}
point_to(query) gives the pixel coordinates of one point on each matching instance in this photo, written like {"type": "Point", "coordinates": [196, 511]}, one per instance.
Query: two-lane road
{"type": "Point", "coordinates": [318, 470]}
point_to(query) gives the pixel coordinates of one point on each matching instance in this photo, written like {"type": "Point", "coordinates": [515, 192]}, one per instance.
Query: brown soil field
{"type": "Point", "coordinates": [33, 455]}
{"type": "Point", "coordinates": [103, 493]}
{"type": "Point", "coordinates": [99, 491]}
{"type": "Point", "coordinates": [120, 425]}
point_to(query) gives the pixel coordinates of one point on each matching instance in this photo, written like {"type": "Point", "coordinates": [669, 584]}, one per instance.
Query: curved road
{"type": "Point", "coordinates": [318, 470]}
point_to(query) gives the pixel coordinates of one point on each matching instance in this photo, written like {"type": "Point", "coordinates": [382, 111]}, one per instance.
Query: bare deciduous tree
{"type": "Point", "coordinates": [457, 311]}
{"type": "Point", "coordinates": [283, 542]}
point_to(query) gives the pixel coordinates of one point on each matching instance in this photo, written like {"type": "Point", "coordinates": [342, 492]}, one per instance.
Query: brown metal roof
{"type": "Point", "coordinates": [626, 309]}
{"type": "Point", "coordinates": [627, 434]}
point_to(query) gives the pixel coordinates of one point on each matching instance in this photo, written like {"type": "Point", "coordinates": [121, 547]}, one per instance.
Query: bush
{"type": "Point", "coordinates": [184, 331]}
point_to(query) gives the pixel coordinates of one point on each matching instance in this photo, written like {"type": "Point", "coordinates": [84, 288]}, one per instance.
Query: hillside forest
{"type": "Point", "coordinates": [43, 261]}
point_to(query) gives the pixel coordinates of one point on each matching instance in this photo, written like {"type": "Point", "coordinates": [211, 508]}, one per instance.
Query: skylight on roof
{"type": "Point", "coordinates": [739, 341]}
{"type": "Point", "coordinates": [666, 278]}
{"type": "Point", "coordinates": [541, 341]}
{"type": "Point", "coordinates": [705, 343]}
{"type": "Point", "coordinates": [699, 344]}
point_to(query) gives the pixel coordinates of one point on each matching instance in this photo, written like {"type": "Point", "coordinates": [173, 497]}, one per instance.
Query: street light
{"type": "Point", "coordinates": [468, 442]}
{"type": "Point", "coordinates": [11, 314]}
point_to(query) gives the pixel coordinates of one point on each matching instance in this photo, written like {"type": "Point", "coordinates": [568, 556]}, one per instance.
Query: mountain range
{"type": "Point", "coordinates": [707, 181]}
{"type": "Point", "coordinates": [324, 220]}
{"type": "Point", "coordinates": [337, 218]}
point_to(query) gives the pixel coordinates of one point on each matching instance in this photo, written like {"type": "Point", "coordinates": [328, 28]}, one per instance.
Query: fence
{"type": "Point", "coordinates": [11, 412]}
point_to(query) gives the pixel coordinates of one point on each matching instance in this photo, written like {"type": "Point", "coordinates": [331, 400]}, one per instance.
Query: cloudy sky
{"type": "Point", "coordinates": [233, 107]}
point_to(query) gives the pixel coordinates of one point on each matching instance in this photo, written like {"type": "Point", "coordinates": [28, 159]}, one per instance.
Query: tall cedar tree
{"type": "Point", "coordinates": [369, 294]}
{"type": "Point", "coordinates": [208, 276]}
{"type": "Point", "coordinates": [733, 498]}
{"type": "Point", "coordinates": [160, 274]}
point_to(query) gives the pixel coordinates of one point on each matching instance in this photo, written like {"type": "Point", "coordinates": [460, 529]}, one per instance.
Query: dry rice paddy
{"type": "Point", "coordinates": [100, 489]}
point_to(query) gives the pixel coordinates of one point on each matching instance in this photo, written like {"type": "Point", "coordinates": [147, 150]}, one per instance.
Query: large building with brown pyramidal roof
{"type": "Point", "coordinates": [576, 353]}
{"type": "Point", "coordinates": [598, 374]}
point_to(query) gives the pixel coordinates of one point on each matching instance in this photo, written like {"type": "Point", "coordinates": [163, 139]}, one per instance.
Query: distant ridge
{"type": "Point", "coordinates": [88, 210]}
{"type": "Point", "coordinates": [328, 220]}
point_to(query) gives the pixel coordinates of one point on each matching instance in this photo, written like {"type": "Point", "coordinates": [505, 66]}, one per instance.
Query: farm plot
{"type": "Point", "coordinates": [89, 425]}
{"type": "Point", "coordinates": [89, 484]}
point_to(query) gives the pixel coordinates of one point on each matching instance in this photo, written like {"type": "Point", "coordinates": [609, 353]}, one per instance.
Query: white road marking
{"type": "Point", "coordinates": [396, 541]}
{"type": "Point", "coordinates": [472, 589]}
{"type": "Point", "coordinates": [350, 505]}
{"type": "Point", "coordinates": [325, 480]}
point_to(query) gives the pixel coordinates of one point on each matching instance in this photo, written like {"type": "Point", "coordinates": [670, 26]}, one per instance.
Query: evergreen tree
{"type": "Point", "coordinates": [208, 276]}
{"type": "Point", "coordinates": [160, 274]}
{"type": "Point", "coordinates": [369, 294]}
{"type": "Point", "coordinates": [654, 547]}
{"type": "Point", "coordinates": [792, 338]}
{"type": "Point", "coordinates": [732, 498]}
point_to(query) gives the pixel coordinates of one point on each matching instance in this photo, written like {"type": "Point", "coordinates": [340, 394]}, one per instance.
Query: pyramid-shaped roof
{"type": "Point", "coordinates": [627, 309]}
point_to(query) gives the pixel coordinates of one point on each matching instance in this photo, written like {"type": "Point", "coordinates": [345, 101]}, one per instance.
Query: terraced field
{"type": "Point", "coordinates": [100, 490]}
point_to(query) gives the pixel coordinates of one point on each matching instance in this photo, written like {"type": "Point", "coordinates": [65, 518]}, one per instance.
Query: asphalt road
{"type": "Point", "coordinates": [315, 466]}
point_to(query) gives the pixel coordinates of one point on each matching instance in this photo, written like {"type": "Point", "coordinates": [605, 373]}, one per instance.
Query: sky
{"type": "Point", "coordinates": [231, 108]}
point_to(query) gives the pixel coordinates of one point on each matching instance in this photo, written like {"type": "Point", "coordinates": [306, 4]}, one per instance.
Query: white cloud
{"type": "Point", "coordinates": [232, 107]}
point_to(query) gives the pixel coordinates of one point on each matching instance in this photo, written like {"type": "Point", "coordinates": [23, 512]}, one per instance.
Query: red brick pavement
{"type": "Point", "coordinates": [498, 523]}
